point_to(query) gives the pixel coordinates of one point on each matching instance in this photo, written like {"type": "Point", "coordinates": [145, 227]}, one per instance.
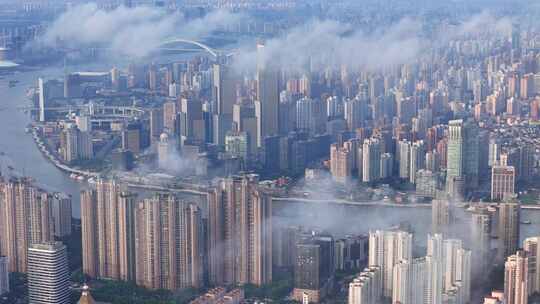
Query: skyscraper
{"type": "Point", "coordinates": [516, 278]}
{"type": "Point", "coordinates": [441, 216]}
{"type": "Point", "coordinates": [371, 160]}
{"type": "Point", "coordinates": [386, 249]}
{"type": "Point", "coordinates": [367, 287]}
{"type": "Point", "coordinates": [502, 181]}
{"type": "Point", "coordinates": [239, 232]}
{"type": "Point", "coordinates": [168, 243]}
{"type": "Point", "coordinates": [508, 229]}
{"type": "Point", "coordinates": [48, 274]}
{"type": "Point", "coordinates": [313, 267]}
{"type": "Point", "coordinates": [107, 216]}
{"type": "Point", "coordinates": [61, 213]}
{"type": "Point", "coordinates": [531, 247]}
{"type": "Point", "coordinates": [410, 281]}
{"type": "Point", "coordinates": [267, 104]}
{"type": "Point", "coordinates": [462, 156]}
{"type": "Point", "coordinates": [224, 89]}
{"type": "Point", "coordinates": [25, 219]}
{"type": "Point", "coordinates": [4, 275]}
{"type": "Point", "coordinates": [481, 242]}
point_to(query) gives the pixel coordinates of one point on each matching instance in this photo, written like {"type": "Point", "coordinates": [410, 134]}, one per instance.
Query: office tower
{"type": "Point", "coordinates": [502, 181]}
{"type": "Point", "coordinates": [508, 229]}
{"type": "Point", "coordinates": [132, 138]}
{"type": "Point", "coordinates": [168, 243]}
{"type": "Point", "coordinates": [191, 121]}
{"type": "Point", "coordinates": [462, 156]}
{"type": "Point", "coordinates": [481, 242]}
{"type": "Point", "coordinates": [4, 275]}
{"type": "Point", "coordinates": [350, 252]}
{"type": "Point", "coordinates": [356, 112]}
{"type": "Point", "coordinates": [267, 104]}
{"type": "Point", "coordinates": [366, 288]}
{"type": "Point", "coordinates": [239, 232]}
{"type": "Point", "coordinates": [245, 121]}
{"type": "Point", "coordinates": [61, 214]}
{"type": "Point", "coordinates": [314, 267]}
{"type": "Point", "coordinates": [107, 217]}
{"type": "Point", "coordinates": [224, 89]}
{"type": "Point", "coordinates": [427, 183]}
{"type": "Point", "coordinates": [48, 274]}
{"type": "Point", "coordinates": [516, 278]}
{"type": "Point", "coordinates": [410, 281]}
{"type": "Point", "coordinates": [25, 220]}
{"type": "Point", "coordinates": [371, 160]}
{"type": "Point", "coordinates": [156, 123]}
{"type": "Point", "coordinates": [530, 246]}
{"type": "Point", "coordinates": [417, 159]}
{"type": "Point", "coordinates": [170, 110]}
{"type": "Point", "coordinates": [48, 90]}
{"type": "Point", "coordinates": [442, 217]}
{"type": "Point", "coordinates": [42, 100]}
{"type": "Point", "coordinates": [386, 249]}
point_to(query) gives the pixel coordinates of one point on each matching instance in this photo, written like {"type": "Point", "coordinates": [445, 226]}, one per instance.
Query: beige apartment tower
{"type": "Point", "coordinates": [168, 243]}
{"type": "Point", "coordinates": [239, 232]}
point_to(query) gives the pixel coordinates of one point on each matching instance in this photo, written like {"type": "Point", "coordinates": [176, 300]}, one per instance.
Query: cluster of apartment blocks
{"type": "Point", "coordinates": [164, 242]}
{"type": "Point", "coordinates": [521, 275]}
{"type": "Point", "coordinates": [461, 153]}
{"type": "Point", "coordinates": [445, 274]}
{"type": "Point", "coordinates": [29, 215]}
{"type": "Point", "coordinates": [442, 276]}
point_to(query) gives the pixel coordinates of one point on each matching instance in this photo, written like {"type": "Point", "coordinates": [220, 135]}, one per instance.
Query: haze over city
{"type": "Point", "coordinates": [269, 151]}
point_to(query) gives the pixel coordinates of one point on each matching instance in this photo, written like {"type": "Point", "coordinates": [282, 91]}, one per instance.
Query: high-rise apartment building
{"type": "Point", "coordinates": [516, 278]}
{"type": "Point", "coordinates": [169, 242]}
{"type": "Point", "coordinates": [25, 219]}
{"type": "Point", "coordinates": [508, 229]}
{"type": "Point", "coordinates": [531, 247]}
{"type": "Point", "coordinates": [410, 281]}
{"type": "Point", "coordinates": [367, 287]}
{"type": "Point", "coordinates": [61, 213]}
{"type": "Point", "coordinates": [441, 216]}
{"type": "Point", "coordinates": [48, 274]}
{"type": "Point", "coordinates": [371, 160]}
{"type": "Point", "coordinates": [239, 232]}
{"type": "Point", "coordinates": [107, 216]}
{"type": "Point", "coordinates": [481, 242]}
{"type": "Point", "coordinates": [4, 275]}
{"type": "Point", "coordinates": [502, 181]}
{"type": "Point", "coordinates": [386, 249]}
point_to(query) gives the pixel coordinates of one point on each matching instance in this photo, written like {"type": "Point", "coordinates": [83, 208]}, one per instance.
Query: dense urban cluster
{"type": "Point", "coordinates": [191, 165]}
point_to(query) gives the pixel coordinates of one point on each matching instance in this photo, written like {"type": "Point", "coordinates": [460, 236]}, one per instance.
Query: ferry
{"type": "Point", "coordinates": [527, 222]}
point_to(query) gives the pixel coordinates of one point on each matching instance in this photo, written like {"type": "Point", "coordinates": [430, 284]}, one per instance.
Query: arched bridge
{"type": "Point", "coordinates": [210, 50]}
